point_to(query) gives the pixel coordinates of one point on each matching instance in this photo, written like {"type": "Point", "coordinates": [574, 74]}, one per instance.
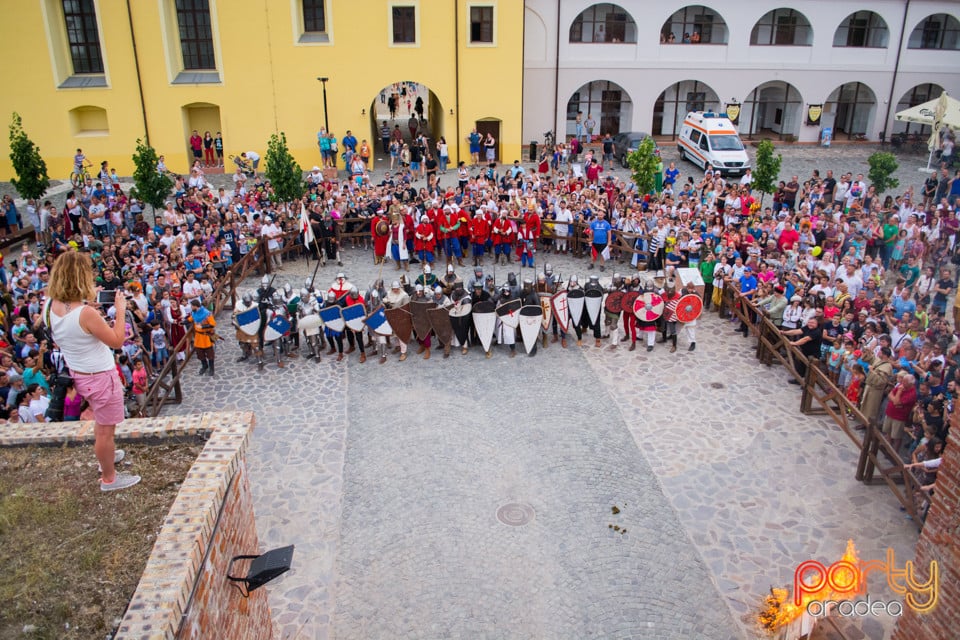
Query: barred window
{"type": "Point", "coordinates": [314, 16]}
{"type": "Point", "coordinates": [196, 34]}
{"type": "Point", "coordinates": [80, 18]}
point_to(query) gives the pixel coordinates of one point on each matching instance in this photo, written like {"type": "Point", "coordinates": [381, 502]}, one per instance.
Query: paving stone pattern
{"type": "Point", "coordinates": [726, 490]}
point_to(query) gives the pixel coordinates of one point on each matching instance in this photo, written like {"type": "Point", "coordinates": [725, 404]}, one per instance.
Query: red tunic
{"type": "Point", "coordinates": [502, 231]}
{"type": "Point", "coordinates": [479, 230]}
{"type": "Point", "coordinates": [379, 242]}
{"type": "Point", "coordinates": [424, 239]}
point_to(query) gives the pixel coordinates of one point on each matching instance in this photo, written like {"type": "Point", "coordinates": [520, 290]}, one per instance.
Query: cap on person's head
{"type": "Point", "coordinates": [796, 299]}
{"type": "Point", "coordinates": [779, 288]}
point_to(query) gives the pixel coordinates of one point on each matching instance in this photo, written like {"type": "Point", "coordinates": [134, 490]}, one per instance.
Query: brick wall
{"type": "Point", "coordinates": [939, 541]}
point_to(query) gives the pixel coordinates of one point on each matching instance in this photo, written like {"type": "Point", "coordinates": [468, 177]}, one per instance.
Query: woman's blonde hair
{"type": "Point", "coordinates": [71, 279]}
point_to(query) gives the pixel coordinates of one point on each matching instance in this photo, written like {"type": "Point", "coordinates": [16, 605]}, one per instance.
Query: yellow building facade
{"type": "Point", "coordinates": [98, 74]}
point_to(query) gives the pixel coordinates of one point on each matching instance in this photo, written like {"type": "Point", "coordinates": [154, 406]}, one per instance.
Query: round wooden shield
{"type": "Point", "coordinates": [648, 306]}
{"type": "Point", "coordinates": [614, 302]}
{"type": "Point", "coordinates": [383, 228]}
{"type": "Point", "coordinates": [628, 300]}
{"type": "Point", "coordinates": [689, 307]}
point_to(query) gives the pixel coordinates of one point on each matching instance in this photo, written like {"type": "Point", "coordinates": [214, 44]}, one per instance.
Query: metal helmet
{"type": "Point", "coordinates": [256, 296]}
{"type": "Point", "coordinates": [305, 294]}
{"type": "Point", "coordinates": [308, 283]}
{"type": "Point", "coordinates": [548, 269]}
{"type": "Point", "coordinates": [541, 277]}
{"type": "Point", "coordinates": [418, 288]}
{"type": "Point", "coordinates": [331, 296]}
{"type": "Point", "coordinates": [354, 292]}
{"type": "Point", "coordinates": [374, 294]}
{"type": "Point", "coordinates": [438, 290]}
{"type": "Point", "coordinates": [427, 269]}
{"type": "Point", "coordinates": [505, 288]}
{"type": "Point", "coordinates": [594, 279]}
{"type": "Point", "coordinates": [395, 284]}
{"type": "Point", "coordinates": [574, 280]}
{"type": "Point", "coordinates": [648, 286]}
{"type": "Point", "coordinates": [477, 284]}
{"type": "Point", "coordinates": [512, 278]}
{"type": "Point", "coordinates": [449, 268]}
{"type": "Point", "coordinates": [247, 298]}
{"type": "Point", "coordinates": [265, 280]}
{"type": "Point", "coordinates": [478, 271]}
{"type": "Point", "coordinates": [341, 276]}
{"type": "Point", "coordinates": [287, 288]}
{"type": "Point", "coordinates": [277, 298]}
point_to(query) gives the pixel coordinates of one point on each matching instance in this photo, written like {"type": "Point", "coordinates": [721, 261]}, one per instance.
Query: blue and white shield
{"type": "Point", "coordinates": [249, 321]}
{"type": "Point", "coordinates": [377, 321]}
{"type": "Point", "coordinates": [276, 328]}
{"type": "Point", "coordinates": [354, 316]}
{"type": "Point", "coordinates": [332, 319]}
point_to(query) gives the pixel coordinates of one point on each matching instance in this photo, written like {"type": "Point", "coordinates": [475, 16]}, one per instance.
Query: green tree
{"type": "Point", "coordinates": [643, 165]}
{"type": "Point", "coordinates": [766, 170]}
{"type": "Point", "coordinates": [152, 186]}
{"type": "Point", "coordinates": [882, 167]}
{"type": "Point", "coordinates": [32, 180]}
{"type": "Point", "coordinates": [282, 169]}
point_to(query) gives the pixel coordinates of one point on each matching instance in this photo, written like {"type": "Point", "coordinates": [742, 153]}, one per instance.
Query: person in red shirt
{"type": "Point", "coordinates": [425, 240]}
{"type": "Point", "coordinates": [381, 234]}
{"type": "Point", "coordinates": [900, 402]}
{"type": "Point", "coordinates": [788, 239]}
{"type": "Point", "coordinates": [593, 171]}
{"type": "Point", "coordinates": [196, 145]}
{"type": "Point", "coordinates": [479, 233]}
{"type": "Point", "coordinates": [502, 233]}
{"type": "Point", "coordinates": [449, 221]}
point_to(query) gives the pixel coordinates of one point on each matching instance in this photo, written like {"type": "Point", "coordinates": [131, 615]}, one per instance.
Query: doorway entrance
{"type": "Point", "coordinates": [202, 117]}
{"type": "Point", "coordinates": [407, 106]}
{"type": "Point", "coordinates": [491, 126]}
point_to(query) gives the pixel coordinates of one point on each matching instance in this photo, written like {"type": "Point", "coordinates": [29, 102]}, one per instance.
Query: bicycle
{"type": "Point", "coordinates": [78, 179]}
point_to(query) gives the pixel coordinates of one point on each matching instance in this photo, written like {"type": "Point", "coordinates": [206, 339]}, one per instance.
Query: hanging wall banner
{"type": "Point", "coordinates": [814, 111]}
{"type": "Point", "coordinates": [733, 112]}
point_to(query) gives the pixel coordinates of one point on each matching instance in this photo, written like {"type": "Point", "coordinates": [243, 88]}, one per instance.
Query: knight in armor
{"type": "Point", "coordinates": [551, 284]}
{"type": "Point", "coordinates": [278, 308]}
{"type": "Point", "coordinates": [380, 342]}
{"type": "Point", "coordinates": [313, 335]}
{"type": "Point", "coordinates": [427, 279]}
{"type": "Point", "coordinates": [629, 317]}
{"type": "Point", "coordinates": [246, 346]}
{"type": "Point", "coordinates": [423, 295]}
{"type": "Point", "coordinates": [592, 285]}
{"type": "Point", "coordinates": [265, 298]}
{"type": "Point", "coordinates": [335, 338]}
{"type": "Point", "coordinates": [340, 286]}
{"type": "Point", "coordinates": [690, 328]}
{"type": "Point", "coordinates": [505, 334]}
{"type": "Point", "coordinates": [395, 299]}
{"type": "Point", "coordinates": [292, 302]}
{"type": "Point", "coordinates": [648, 327]}
{"type": "Point", "coordinates": [354, 338]}
{"type": "Point", "coordinates": [442, 300]}
{"type": "Point", "coordinates": [450, 280]}
{"type": "Point", "coordinates": [670, 300]}
{"type": "Point", "coordinates": [574, 283]}
{"type": "Point", "coordinates": [529, 296]}
{"type": "Point", "coordinates": [612, 318]}
{"type": "Point", "coordinates": [477, 277]}
{"type": "Point", "coordinates": [514, 285]}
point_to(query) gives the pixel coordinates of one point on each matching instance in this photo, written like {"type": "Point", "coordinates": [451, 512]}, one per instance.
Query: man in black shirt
{"type": "Point", "coordinates": [829, 184]}
{"type": "Point", "coordinates": [808, 340]}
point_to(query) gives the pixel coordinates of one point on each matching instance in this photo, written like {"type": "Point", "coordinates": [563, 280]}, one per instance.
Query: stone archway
{"type": "Point", "coordinates": [413, 103]}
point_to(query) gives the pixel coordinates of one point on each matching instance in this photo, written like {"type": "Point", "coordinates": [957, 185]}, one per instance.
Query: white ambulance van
{"type": "Point", "coordinates": [710, 138]}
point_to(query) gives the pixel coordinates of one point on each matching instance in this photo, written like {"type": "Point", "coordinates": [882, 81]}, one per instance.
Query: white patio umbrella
{"type": "Point", "coordinates": [938, 113]}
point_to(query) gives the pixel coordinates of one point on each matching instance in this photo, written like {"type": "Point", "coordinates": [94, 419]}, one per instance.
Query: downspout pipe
{"type": "Point", "coordinates": [896, 69]}
{"type": "Point", "coordinates": [556, 83]}
{"type": "Point", "coordinates": [456, 67]}
{"type": "Point", "coordinates": [136, 63]}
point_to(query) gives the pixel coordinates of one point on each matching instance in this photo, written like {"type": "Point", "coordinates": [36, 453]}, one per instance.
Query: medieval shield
{"type": "Point", "coordinates": [460, 320]}
{"type": "Point", "coordinates": [440, 322]}
{"type": "Point", "coordinates": [509, 312]}
{"type": "Point", "coordinates": [614, 302]}
{"type": "Point", "coordinates": [628, 300]}
{"type": "Point", "coordinates": [332, 319]}
{"type": "Point", "coordinates": [648, 307]}
{"type": "Point", "coordinates": [353, 316]}
{"type": "Point", "coordinates": [575, 300]}
{"type": "Point", "coordinates": [593, 302]}
{"type": "Point", "coordinates": [377, 321]}
{"type": "Point", "coordinates": [276, 328]}
{"type": "Point", "coordinates": [689, 308]}
{"type": "Point", "coordinates": [310, 324]}
{"type": "Point", "coordinates": [547, 311]}
{"type": "Point", "coordinates": [401, 321]}
{"type": "Point", "coordinates": [249, 321]}
{"type": "Point", "coordinates": [484, 321]}
{"type": "Point", "coordinates": [530, 317]}
{"type": "Point", "coordinates": [561, 309]}
{"type": "Point", "coordinates": [421, 321]}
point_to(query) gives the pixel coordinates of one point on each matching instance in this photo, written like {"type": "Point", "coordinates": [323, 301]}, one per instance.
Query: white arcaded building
{"type": "Point", "coordinates": [637, 65]}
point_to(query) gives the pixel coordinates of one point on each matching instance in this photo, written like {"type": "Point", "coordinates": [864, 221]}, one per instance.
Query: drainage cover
{"type": "Point", "coordinates": [515, 514]}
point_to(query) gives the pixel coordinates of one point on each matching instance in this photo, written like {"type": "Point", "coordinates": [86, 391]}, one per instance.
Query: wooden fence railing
{"type": "Point", "coordinates": [820, 395]}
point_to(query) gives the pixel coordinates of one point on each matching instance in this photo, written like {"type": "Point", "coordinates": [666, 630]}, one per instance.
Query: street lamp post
{"type": "Point", "coordinates": [326, 123]}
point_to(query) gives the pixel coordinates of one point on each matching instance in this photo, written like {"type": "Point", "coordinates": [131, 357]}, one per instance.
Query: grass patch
{"type": "Point", "coordinates": [72, 555]}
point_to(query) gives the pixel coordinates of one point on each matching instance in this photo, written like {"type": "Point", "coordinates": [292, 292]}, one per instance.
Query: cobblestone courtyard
{"type": "Point", "coordinates": [389, 478]}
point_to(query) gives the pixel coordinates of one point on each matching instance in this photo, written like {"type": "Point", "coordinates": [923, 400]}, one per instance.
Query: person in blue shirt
{"type": "Point", "coordinates": [748, 288]}
{"type": "Point", "coordinates": [600, 231]}
{"type": "Point", "coordinates": [671, 174]}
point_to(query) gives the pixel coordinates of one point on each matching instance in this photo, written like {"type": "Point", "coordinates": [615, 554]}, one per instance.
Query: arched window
{"type": "Point", "coordinates": [694, 24]}
{"type": "Point", "coordinates": [852, 106]}
{"type": "Point", "coordinates": [672, 106]}
{"type": "Point", "coordinates": [917, 95]}
{"type": "Point", "coordinates": [783, 27]}
{"type": "Point", "coordinates": [606, 103]}
{"type": "Point", "coordinates": [862, 29]}
{"type": "Point", "coordinates": [604, 22]}
{"type": "Point", "coordinates": [773, 107]}
{"type": "Point", "coordinates": [938, 31]}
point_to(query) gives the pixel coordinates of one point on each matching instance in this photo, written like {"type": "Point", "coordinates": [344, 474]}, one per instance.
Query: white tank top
{"type": "Point", "coordinates": [82, 351]}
